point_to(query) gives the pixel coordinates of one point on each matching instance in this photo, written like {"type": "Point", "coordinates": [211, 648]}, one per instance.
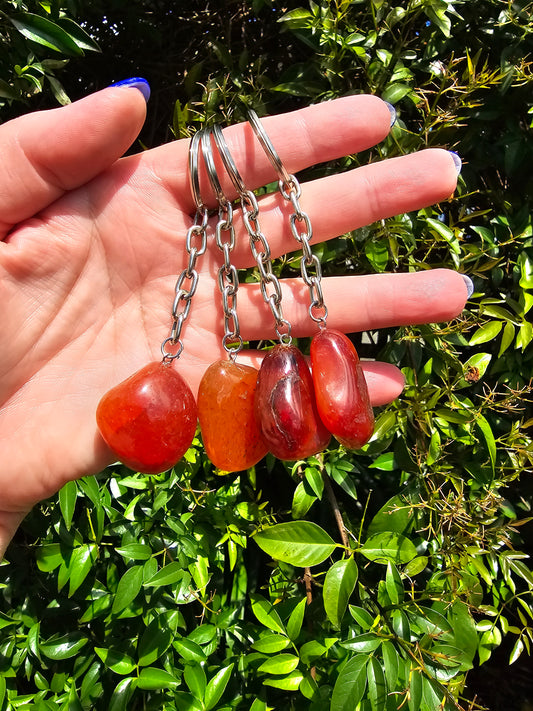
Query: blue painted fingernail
{"type": "Point", "coordinates": [393, 114]}
{"type": "Point", "coordinates": [458, 162]}
{"type": "Point", "coordinates": [137, 83]}
{"type": "Point", "coordinates": [469, 285]}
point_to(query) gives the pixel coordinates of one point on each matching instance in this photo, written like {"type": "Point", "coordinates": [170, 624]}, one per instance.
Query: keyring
{"type": "Point", "coordinates": [194, 179]}
{"type": "Point", "coordinates": [229, 163]}
{"type": "Point", "coordinates": [271, 152]}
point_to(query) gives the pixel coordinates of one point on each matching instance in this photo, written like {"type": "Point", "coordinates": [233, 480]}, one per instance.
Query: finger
{"type": "Point", "coordinates": [302, 138]}
{"type": "Point", "coordinates": [340, 203]}
{"type": "Point", "coordinates": [358, 303]}
{"type": "Point", "coordinates": [44, 154]}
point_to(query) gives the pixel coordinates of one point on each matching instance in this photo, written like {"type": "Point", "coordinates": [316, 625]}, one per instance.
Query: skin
{"type": "Point", "coordinates": [91, 244]}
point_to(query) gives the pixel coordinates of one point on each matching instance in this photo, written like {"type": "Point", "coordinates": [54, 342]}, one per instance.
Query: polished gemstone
{"type": "Point", "coordinates": [340, 388]}
{"type": "Point", "coordinates": [149, 420]}
{"type": "Point", "coordinates": [285, 406]}
{"type": "Point", "coordinates": [230, 432]}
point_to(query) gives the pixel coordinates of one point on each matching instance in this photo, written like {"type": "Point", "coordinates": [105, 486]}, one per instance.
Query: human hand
{"type": "Point", "coordinates": [91, 247]}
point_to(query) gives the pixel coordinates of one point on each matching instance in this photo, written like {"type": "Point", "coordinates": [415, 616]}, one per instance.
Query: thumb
{"type": "Point", "coordinates": [47, 153]}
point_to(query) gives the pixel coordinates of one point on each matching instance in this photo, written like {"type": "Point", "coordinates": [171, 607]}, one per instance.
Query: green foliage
{"type": "Point", "coordinates": [352, 581]}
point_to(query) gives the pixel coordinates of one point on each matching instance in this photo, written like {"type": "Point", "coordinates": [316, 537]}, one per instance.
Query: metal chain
{"type": "Point", "coordinates": [303, 233]}
{"type": "Point", "coordinates": [228, 278]}
{"type": "Point", "coordinates": [172, 347]}
{"type": "Point", "coordinates": [300, 225]}
{"type": "Point", "coordinates": [260, 248]}
{"type": "Point", "coordinates": [270, 284]}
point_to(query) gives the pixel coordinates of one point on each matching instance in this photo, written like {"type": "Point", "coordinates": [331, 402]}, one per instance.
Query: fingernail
{"type": "Point", "coordinates": [458, 162]}
{"type": "Point", "coordinates": [393, 114]}
{"type": "Point", "coordinates": [469, 285]}
{"type": "Point", "coordinates": [137, 83]}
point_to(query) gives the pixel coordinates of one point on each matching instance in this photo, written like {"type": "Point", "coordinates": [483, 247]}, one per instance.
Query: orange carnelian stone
{"type": "Point", "coordinates": [285, 406]}
{"type": "Point", "coordinates": [149, 420]}
{"type": "Point", "coordinates": [230, 432]}
{"type": "Point", "coordinates": [340, 387]}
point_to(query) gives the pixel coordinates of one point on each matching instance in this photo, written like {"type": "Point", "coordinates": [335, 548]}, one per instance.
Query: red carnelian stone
{"type": "Point", "coordinates": [232, 438]}
{"type": "Point", "coordinates": [285, 406]}
{"type": "Point", "coordinates": [149, 420]}
{"type": "Point", "coordinates": [340, 388]}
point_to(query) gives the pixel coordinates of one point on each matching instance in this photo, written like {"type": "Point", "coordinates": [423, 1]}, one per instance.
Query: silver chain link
{"type": "Point", "coordinates": [228, 278]}
{"type": "Point", "coordinates": [300, 225]}
{"type": "Point", "coordinates": [196, 245]}
{"type": "Point", "coordinates": [228, 281]}
{"type": "Point", "coordinates": [270, 284]}
{"type": "Point", "coordinates": [302, 232]}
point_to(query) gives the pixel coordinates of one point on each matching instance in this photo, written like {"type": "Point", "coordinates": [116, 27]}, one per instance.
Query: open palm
{"type": "Point", "coordinates": [92, 246]}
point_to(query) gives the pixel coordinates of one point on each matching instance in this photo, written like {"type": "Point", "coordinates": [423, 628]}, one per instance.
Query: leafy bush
{"type": "Point", "coordinates": [369, 580]}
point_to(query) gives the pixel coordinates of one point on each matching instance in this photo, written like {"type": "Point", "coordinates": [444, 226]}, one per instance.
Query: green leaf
{"type": "Point", "coordinates": [81, 562]}
{"type": "Point", "coordinates": [216, 687]}
{"type": "Point", "coordinates": [367, 642]}
{"type": "Point", "coordinates": [486, 431]}
{"type": "Point", "coordinates": [116, 660]}
{"type": "Point", "coordinates": [267, 614]}
{"type": "Point", "coordinates": [350, 685]}
{"type": "Point", "coordinates": [394, 585]}
{"type": "Point", "coordinates": [271, 643]}
{"type": "Point", "coordinates": [507, 338]}
{"type": "Point", "coordinates": [400, 625]}
{"type": "Point", "coordinates": [121, 697]}
{"type": "Point", "coordinates": [490, 640]}
{"type": "Point", "coordinates": [291, 682]}
{"type": "Point", "coordinates": [67, 502]}
{"type": "Point", "coordinates": [315, 481]}
{"type": "Point", "coordinates": [280, 664]}
{"type": "Point", "coordinates": [363, 618]}
{"type": "Point", "coordinates": [343, 478]}
{"type": "Point", "coordinates": [487, 332]}
{"type": "Point", "coordinates": [64, 646]}
{"type": "Point", "coordinates": [78, 34]}
{"type": "Point", "coordinates": [44, 32]}
{"type": "Point", "coordinates": [187, 702]}
{"type": "Point", "coordinates": [154, 642]}
{"type": "Point", "coordinates": [339, 584]}
{"type": "Point", "coordinates": [377, 688]}
{"type": "Point", "coordinates": [415, 687]}
{"type": "Point", "coordinates": [168, 575]}
{"type": "Point", "coordinates": [135, 551]}
{"type": "Point", "coordinates": [153, 678]}
{"type": "Point", "coordinates": [396, 92]}
{"type": "Point", "coordinates": [295, 621]}
{"type": "Point", "coordinates": [302, 500]}
{"type": "Point", "coordinates": [429, 621]}
{"type": "Point", "coordinates": [388, 546]}
{"type": "Point", "coordinates": [395, 516]}
{"type": "Point", "coordinates": [49, 557]}
{"type": "Point", "coordinates": [195, 679]}
{"type": "Point", "coordinates": [128, 588]}
{"type": "Point", "coordinates": [300, 543]}
{"type": "Point", "coordinates": [189, 650]}
{"type": "Point", "coordinates": [391, 663]}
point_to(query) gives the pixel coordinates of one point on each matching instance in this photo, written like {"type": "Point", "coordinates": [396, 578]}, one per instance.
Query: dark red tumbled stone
{"type": "Point", "coordinates": [285, 406]}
